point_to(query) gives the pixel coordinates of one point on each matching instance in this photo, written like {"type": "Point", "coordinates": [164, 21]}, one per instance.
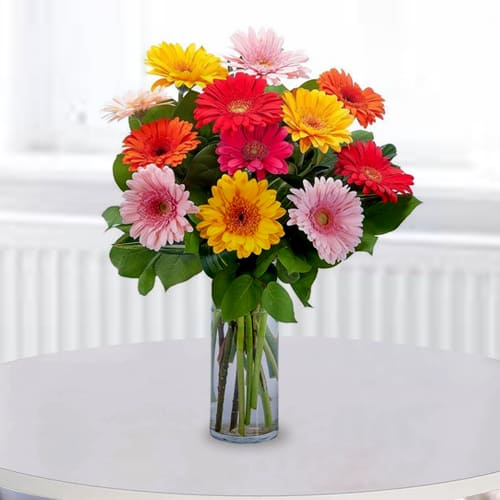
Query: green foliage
{"type": "Point", "coordinates": [389, 151]}
{"type": "Point", "coordinates": [303, 286]}
{"type": "Point", "coordinates": [241, 297]}
{"type": "Point", "coordinates": [310, 85]}
{"type": "Point", "coordinates": [173, 269]}
{"type": "Point", "coordinates": [158, 112]}
{"type": "Point", "coordinates": [112, 216]}
{"type": "Point", "coordinates": [203, 170]}
{"type": "Point", "coordinates": [121, 173]}
{"type": "Point", "coordinates": [277, 302]}
{"type": "Point", "coordinates": [134, 123]}
{"type": "Point", "coordinates": [362, 136]}
{"type": "Point", "coordinates": [279, 89]}
{"type": "Point", "coordinates": [381, 218]}
{"type": "Point", "coordinates": [367, 242]}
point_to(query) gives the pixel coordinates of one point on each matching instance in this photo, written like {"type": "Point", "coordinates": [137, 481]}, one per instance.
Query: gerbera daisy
{"type": "Point", "coordinates": [364, 104]}
{"type": "Point", "coordinates": [262, 54]}
{"type": "Point", "coordinates": [162, 142]}
{"type": "Point", "coordinates": [330, 215]}
{"type": "Point", "coordinates": [242, 215]}
{"type": "Point", "coordinates": [187, 67]}
{"type": "Point", "coordinates": [364, 164]}
{"type": "Point", "coordinates": [132, 103]}
{"type": "Point", "coordinates": [316, 119]}
{"type": "Point", "coordinates": [238, 101]}
{"type": "Point", "coordinates": [156, 207]}
{"type": "Point", "coordinates": [261, 150]}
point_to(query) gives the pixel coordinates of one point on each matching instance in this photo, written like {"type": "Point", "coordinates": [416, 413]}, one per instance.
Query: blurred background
{"type": "Point", "coordinates": [435, 282]}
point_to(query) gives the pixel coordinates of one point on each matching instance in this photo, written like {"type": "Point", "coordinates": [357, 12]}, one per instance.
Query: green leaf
{"type": "Point", "coordinates": [302, 287]}
{"type": "Point", "coordinates": [310, 85]}
{"type": "Point", "coordinates": [147, 278]}
{"type": "Point", "coordinates": [112, 216]}
{"type": "Point", "coordinates": [381, 218]}
{"type": "Point", "coordinates": [192, 242]}
{"type": "Point", "coordinates": [241, 297]}
{"type": "Point", "coordinates": [186, 106]}
{"type": "Point", "coordinates": [203, 169]}
{"type": "Point", "coordinates": [121, 173]}
{"type": "Point", "coordinates": [173, 269]}
{"type": "Point", "coordinates": [221, 283]}
{"type": "Point", "coordinates": [361, 135]}
{"type": "Point", "coordinates": [158, 112]}
{"type": "Point", "coordinates": [264, 260]}
{"type": "Point", "coordinates": [367, 243]}
{"type": "Point", "coordinates": [284, 275]}
{"type": "Point", "coordinates": [131, 262]}
{"type": "Point", "coordinates": [214, 263]}
{"type": "Point", "coordinates": [277, 302]}
{"type": "Point", "coordinates": [389, 151]}
{"type": "Point", "coordinates": [292, 263]}
{"type": "Point", "coordinates": [278, 89]}
{"type": "Point", "coordinates": [134, 123]}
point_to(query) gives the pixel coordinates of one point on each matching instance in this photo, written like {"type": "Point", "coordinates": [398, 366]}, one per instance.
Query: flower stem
{"type": "Point", "coordinates": [221, 389]}
{"type": "Point", "coordinates": [272, 360]}
{"type": "Point", "coordinates": [259, 346]}
{"type": "Point", "coordinates": [240, 374]}
{"type": "Point", "coordinates": [250, 364]}
{"type": "Point", "coordinates": [266, 404]}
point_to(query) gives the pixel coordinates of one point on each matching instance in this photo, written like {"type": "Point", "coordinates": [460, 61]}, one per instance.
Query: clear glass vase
{"type": "Point", "coordinates": [244, 364]}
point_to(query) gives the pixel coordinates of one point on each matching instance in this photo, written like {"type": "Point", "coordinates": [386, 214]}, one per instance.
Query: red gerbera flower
{"type": "Point", "coordinates": [238, 101]}
{"type": "Point", "coordinates": [162, 142]}
{"type": "Point", "coordinates": [364, 164]}
{"type": "Point", "coordinates": [364, 104]}
{"type": "Point", "coordinates": [260, 150]}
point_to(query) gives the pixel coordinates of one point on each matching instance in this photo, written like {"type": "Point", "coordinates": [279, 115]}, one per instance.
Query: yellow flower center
{"type": "Point", "coordinates": [239, 106]}
{"type": "Point", "coordinates": [242, 217]}
{"type": "Point", "coordinates": [254, 151]}
{"type": "Point", "coordinates": [322, 217]}
{"type": "Point", "coordinates": [372, 173]}
{"type": "Point", "coordinates": [263, 62]}
{"type": "Point", "coordinates": [313, 122]}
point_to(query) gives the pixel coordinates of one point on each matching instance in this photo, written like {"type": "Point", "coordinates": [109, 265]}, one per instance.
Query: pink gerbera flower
{"type": "Point", "coordinates": [132, 103]}
{"type": "Point", "coordinates": [262, 54]}
{"type": "Point", "coordinates": [155, 206]}
{"type": "Point", "coordinates": [260, 150]}
{"type": "Point", "coordinates": [330, 215]}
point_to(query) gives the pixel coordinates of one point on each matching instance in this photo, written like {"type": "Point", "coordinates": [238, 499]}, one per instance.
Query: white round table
{"type": "Point", "coordinates": [358, 421]}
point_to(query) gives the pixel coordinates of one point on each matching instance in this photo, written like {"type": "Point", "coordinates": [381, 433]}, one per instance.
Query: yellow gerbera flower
{"type": "Point", "coordinates": [183, 67]}
{"type": "Point", "coordinates": [241, 216]}
{"type": "Point", "coordinates": [316, 119]}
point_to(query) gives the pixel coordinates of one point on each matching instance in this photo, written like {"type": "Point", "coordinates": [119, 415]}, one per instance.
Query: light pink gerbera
{"type": "Point", "coordinates": [132, 103]}
{"type": "Point", "coordinates": [330, 215]}
{"type": "Point", "coordinates": [260, 150]}
{"type": "Point", "coordinates": [155, 206]}
{"type": "Point", "coordinates": [262, 54]}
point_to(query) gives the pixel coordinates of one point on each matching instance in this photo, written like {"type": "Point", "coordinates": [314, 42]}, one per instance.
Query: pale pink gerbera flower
{"type": "Point", "coordinates": [260, 150]}
{"type": "Point", "coordinates": [262, 54]}
{"type": "Point", "coordinates": [331, 216]}
{"type": "Point", "coordinates": [132, 103]}
{"type": "Point", "coordinates": [155, 206]}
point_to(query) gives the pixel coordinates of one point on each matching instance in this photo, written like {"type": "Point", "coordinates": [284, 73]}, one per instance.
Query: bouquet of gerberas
{"type": "Point", "coordinates": [256, 184]}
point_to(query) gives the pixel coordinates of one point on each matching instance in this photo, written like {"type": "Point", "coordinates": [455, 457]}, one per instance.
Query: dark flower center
{"type": "Point", "coordinates": [254, 151]}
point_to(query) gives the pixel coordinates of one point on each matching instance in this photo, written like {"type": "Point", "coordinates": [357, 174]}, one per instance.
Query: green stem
{"type": "Point", "coordinates": [250, 364]}
{"type": "Point", "coordinates": [259, 346]}
{"type": "Point", "coordinates": [266, 402]}
{"type": "Point", "coordinates": [272, 360]}
{"type": "Point", "coordinates": [240, 373]}
{"type": "Point", "coordinates": [223, 366]}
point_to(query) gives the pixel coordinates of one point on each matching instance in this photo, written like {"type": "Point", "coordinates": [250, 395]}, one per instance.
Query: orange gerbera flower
{"type": "Point", "coordinates": [364, 104]}
{"type": "Point", "coordinates": [162, 142]}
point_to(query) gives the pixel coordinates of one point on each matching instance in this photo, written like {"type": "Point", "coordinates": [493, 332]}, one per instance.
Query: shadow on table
{"type": "Point", "coordinates": [12, 495]}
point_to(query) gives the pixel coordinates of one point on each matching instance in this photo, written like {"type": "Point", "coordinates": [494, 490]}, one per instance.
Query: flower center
{"type": "Point", "coordinates": [239, 106]}
{"type": "Point", "coordinates": [351, 95]}
{"type": "Point", "coordinates": [322, 217]}
{"type": "Point", "coordinates": [313, 122]}
{"type": "Point", "coordinates": [242, 218]}
{"type": "Point", "coordinates": [372, 173]}
{"type": "Point", "coordinates": [254, 151]}
{"type": "Point", "coordinates": [163, 207]}
{"type": "Point", "coordinates": [160, 151]}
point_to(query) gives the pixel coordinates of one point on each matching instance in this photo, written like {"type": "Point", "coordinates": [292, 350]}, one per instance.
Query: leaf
{"type": "Point", "coordinates": [292, 263]}
{"type": "Point", "coordinates": [192, 242]}
{"type": "Point", "coordinates": [131, 262]}
{"type": "Point", "coordinates": [367, 242]}
{"type": "Point", "coordinates": [134, 123]}
{"type": "Point", "coordinates": [277, 302]}
{"type": "Point", "coordinates": [158, 112]}
{"type": "Point", "coordinates": [303, 286]}
{"type": "Point", "coordinates": [203, 169]}
{"type": "Point", "coordinates": [121, 173]}
{"type": "Point", "coordinates": [147, 278]}
{"type": "Point", "coordinates": [241, 297]}
{"type": "Point", "coordinates": [361, 135]}
{"type": "Point", "coordinates": [112, 216]}
{"type": "Point", "coordinates": [284, 275]}
{"type": "Point", "coordinates": [389, 151]}
{"type": "Point", "coordinates": [381, 218]}
{"type": "Point", "coordinates": [173, 269]}
{"type": "Point", "coordinates": [310, 85]}
{"type": "Point", "coordinates": [221, 283]}
{"type": "Point", "coordinates": [214, 263]}
{"type": "Point", "coordinates": [264, 260]}
{"type": "Point", "coordinates": [278, 89]}
{"type": "Point", "coordinates": [186, 106]}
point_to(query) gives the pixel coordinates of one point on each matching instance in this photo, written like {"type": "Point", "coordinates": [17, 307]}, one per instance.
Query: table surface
{"type": "Point", "coordinates": [354, 417]}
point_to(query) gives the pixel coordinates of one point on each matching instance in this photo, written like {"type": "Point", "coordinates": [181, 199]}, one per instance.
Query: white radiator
{"type": "Point", "coordinates": [59, 291]}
